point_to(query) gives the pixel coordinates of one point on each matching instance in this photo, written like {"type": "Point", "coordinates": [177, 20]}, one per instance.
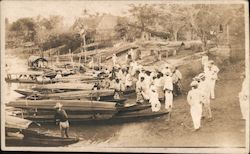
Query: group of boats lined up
{"type": "Point", "coordinates": [83, 103]}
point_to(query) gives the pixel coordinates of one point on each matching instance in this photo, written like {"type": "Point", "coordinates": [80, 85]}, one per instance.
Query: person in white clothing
{"type": "Point", "coordinates": [153, 99]}
{"type": "Point", "coordinates": [141, 94]}
{"type": "Point", "coordinates": [158, 82]}
{"type": "Point", "coordinates": [114, 59]}
{"type": "Point", "coordinates": [204, 88]}
{"type": "Point", "coordinates": [244, 98]}
{"type": "Point", "coordinates": [211, 75]}
{"type": "Point", "coordinates": [177, 76]}
{"type": "Point", "coordinates": [58, 75]}
{"type": "Point", "coordinates": [194, 100]}
{"type": "Point", "coordinates": [167, 70]}
{"type": "Point", "coordinates": [128, 81]}
{"type": "Point", "coordinates": [168, 88]}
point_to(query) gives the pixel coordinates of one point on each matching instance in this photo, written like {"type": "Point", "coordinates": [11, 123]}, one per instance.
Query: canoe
{"type": "Point", "coordinates": [38, 139]}
{"type": "Point", "coordinates": [63, 86]}
{"type": "Point", "coordinates": [96, 119]}
{"type": "Point", "coordinates": [70, 95]}
{"type": "Point", "coordinates": [29, 81]}
{"type": "Point", "coordinates": [68, 105]}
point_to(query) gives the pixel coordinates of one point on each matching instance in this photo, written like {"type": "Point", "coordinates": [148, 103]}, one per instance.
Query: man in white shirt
{"type": "Point", "coordinates": [168, 88]}
{"type": "Point", "coordinates": [211, 72]}
{"type": "Point", "coordinates": [159, 83]}
{"type": "Point", "coordinates": [194, 100]}
{"type": "Point", "coordinates": [114, 59]}
{"type": "Point", "coordinates": [153, 99]}
{"type": "Point", "coordinates": [204, 89]}
{"type": "Point", "coordinates": [141, 94]}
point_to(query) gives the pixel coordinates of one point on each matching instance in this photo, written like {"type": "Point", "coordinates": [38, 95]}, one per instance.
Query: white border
{"type": "Point", "coordinates": [110, 149]}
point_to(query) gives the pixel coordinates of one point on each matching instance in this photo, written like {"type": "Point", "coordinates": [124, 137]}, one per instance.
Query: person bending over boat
{"type": "Point", "coordinates": [61, 117]}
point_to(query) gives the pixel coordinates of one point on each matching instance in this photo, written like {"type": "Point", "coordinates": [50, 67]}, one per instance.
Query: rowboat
{"type": "Point", "coordinates": [63, 87]}
{"type": "Point", "coordinates": [84, 106]}
{"type": "Point", "coordinates": [18, 133]}
{"type": "Point", "coordinates": [69, 95]}
{"type": "Point", "coordinates": [40, 140]}
{"type": "Point", "coordinates": [97, 119]}
{"type": "Point", "coordinates": [17, 78]}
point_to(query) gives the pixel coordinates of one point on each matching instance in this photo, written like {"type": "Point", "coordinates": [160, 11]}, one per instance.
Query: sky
{"type": "Point", "coordinates": [14, 9]}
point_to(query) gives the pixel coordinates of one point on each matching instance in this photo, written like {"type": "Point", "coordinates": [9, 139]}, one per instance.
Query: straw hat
{"type": "Point", "coordinates": [58, 105]}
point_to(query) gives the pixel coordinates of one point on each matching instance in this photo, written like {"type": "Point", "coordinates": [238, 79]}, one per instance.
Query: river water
{"type": "Point", "coordinates": [89, 135]}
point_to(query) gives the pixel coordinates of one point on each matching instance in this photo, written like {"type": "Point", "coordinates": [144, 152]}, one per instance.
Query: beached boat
{"type": "Point", "coordinates": [27, 77]}
{"type": "Point", "coordinates": [63, 87]}
{"type": "Point", "coordinates": [17, 133]}
{"type": "Point", "coordinates": [69, 95]}
{"type": "Point", "coordinates": [99, 119]}
{"type": "Point", "coordinates": [85, 106]}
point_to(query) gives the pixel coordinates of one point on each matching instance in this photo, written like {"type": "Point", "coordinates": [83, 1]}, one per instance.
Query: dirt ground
{"type": "Point", "coordinates": [226, 130]}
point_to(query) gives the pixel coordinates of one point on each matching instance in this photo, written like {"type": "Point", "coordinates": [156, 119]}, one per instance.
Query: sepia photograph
{"type": "Point", "coordinates": [125, 76]}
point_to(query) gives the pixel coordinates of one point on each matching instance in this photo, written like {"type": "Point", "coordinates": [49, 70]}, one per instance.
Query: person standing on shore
{"type": "Point", "coordinates": [194, 100]}
{"type": "Point", "coordinates": [61, 118]}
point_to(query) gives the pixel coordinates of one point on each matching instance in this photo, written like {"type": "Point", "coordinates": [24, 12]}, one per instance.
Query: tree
{"type": "Point", "coordinates": [145, 16]}
{"type": "Point", "coordinates": [24, 28]}
{"type": "Point", "coordinates": [173, 18]}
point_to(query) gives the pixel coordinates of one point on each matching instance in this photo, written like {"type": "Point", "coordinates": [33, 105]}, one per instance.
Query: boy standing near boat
{"type": "Point", "coordinates": [61, 117]}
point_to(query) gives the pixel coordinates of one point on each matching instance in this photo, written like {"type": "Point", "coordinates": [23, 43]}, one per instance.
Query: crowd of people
{"type": "Point", "coordinates": [151, 85]}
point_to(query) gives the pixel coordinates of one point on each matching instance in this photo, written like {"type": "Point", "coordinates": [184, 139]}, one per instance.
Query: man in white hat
{"type": "Point", "coordinates": [168, 88]}
{"type": "Point", "coordinates": [153, 99]}
{"type": "Point", "coordinates": [204, 88]}
{"type": "Point", "coordinates": [61, 117]}
{"type": "Point", "coordinates": [194, 100]}
{"type": "Point", "coordinates": [211, 72]}
{"type": "Point", "coordinates": [244, 98]}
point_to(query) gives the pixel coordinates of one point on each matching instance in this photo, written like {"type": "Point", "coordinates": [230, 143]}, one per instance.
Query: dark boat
{"type": "Point", "coordinates": [34, 138]}
{"type": "Point", "coordinates": [96, 119]}
{"type": "Point", "coordinates": [17, 133]}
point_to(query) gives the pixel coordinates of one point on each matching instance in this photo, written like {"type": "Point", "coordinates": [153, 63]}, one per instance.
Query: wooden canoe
{"type": "Point", "coordinates": [63, 86]}
{"type": "Point", "coordinates": [95, 120]}
{"type": "Point", "coordinates": [68, 105]}
{"type": "Point", "coordinates": [39, 139]}
{"type": "Point", "coordinates": [29, 81]}
{"type": "Point", "coordinates": [68, 95]}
